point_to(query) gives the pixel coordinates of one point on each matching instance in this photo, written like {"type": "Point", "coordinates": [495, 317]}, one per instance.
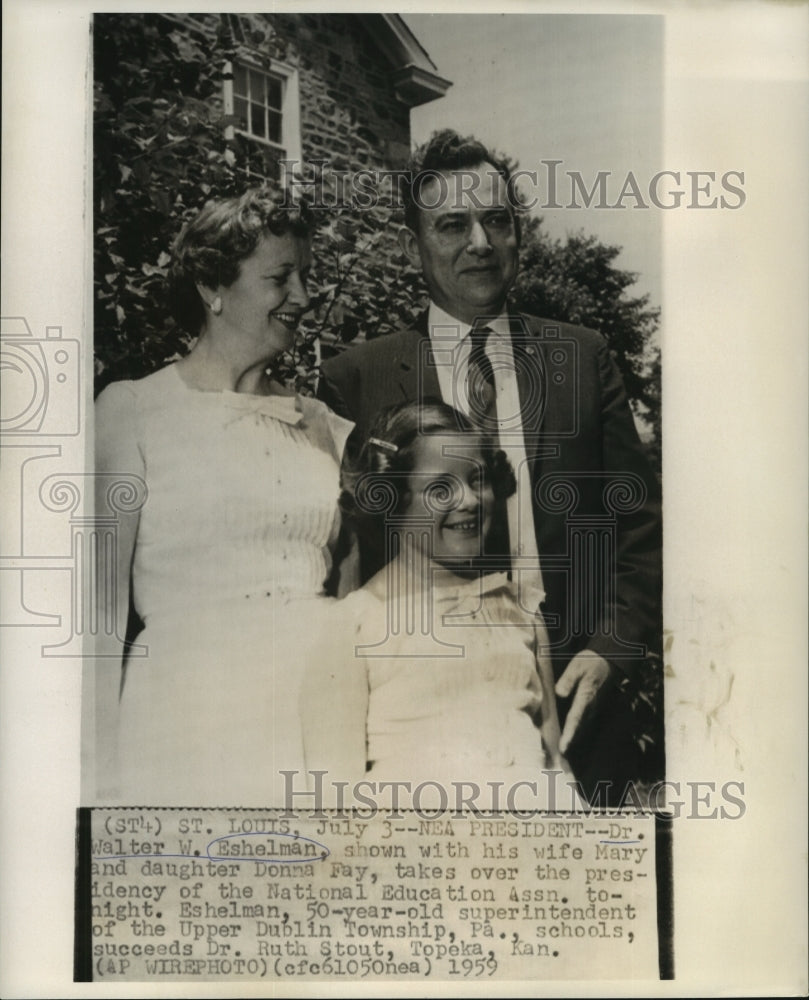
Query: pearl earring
{"type": "Point", "coordinates": [216, 306]}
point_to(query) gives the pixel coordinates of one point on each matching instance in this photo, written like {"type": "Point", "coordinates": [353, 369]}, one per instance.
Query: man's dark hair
{"type": "Point", "coordinates": [447, 151]}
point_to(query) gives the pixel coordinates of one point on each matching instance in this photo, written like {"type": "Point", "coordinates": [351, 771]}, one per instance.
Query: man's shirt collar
{"type": "Point", "coordinates": [447, 327]}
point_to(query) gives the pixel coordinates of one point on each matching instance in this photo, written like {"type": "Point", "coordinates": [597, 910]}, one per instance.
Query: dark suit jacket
{"type": "Point", "coordinates": [597, 501]}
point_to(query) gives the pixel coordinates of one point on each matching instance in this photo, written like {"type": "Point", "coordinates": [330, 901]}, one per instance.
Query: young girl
{"type": "Point", "coordinates": [434, 672]}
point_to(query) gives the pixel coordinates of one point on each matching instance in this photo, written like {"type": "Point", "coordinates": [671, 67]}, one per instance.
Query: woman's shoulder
{"type": "Point", "coordinates": [123, 411]}
{"type": "Point", "coordinates": [342, 624]}
{"type": "Point", "coordinates": [129, 392]}
{"type": "Point", "coordinates": [356, 613]}
{"type": "Point", "coordinates": [328, 430]}
{"type": "Point", "coordinates": [364, 600]}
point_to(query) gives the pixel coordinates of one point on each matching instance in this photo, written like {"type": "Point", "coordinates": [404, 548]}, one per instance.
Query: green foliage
{"type": "Point", "coordinates": [361, 285]}
{"type": "Point", "coordinates": [159, 150]}
{"type": "Point", "coordinates": [643, 688]}
{"type": "Point", "coordinates": [576, 281]}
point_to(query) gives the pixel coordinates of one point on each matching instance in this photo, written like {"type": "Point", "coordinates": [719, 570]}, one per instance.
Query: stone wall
{"type": "Point", "coordinates": [350, 114]}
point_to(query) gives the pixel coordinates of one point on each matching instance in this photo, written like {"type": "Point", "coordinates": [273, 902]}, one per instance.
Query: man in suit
{"type": "Point", "coordinates": [587, 508]}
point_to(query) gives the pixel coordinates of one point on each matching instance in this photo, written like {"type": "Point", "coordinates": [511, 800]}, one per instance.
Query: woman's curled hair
{"type": "Point", "coordinates": [211, 247]}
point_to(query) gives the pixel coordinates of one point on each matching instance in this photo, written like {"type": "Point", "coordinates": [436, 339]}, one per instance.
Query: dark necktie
{"type": "Point", "coordinates": [480, 382]}
{"type": "Point", "coordinates": [482, 398]}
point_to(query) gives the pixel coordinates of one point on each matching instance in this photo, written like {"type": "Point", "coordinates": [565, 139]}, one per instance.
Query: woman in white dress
{"type": "Point", "coordinates": [228, 556]}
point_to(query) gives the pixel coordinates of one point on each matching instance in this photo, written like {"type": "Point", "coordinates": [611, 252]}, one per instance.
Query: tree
{"type": "Point", "coordinates": [576, 281]}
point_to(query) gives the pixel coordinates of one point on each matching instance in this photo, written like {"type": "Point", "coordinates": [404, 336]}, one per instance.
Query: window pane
{"type": "Point", "coordinates": [256, 86]}
{"type": "Point", "coordinates": [257, 102]}
{"type": "Point", "coordinates": [240, 111]}
{"type": "Point", "coordinates": [257, 120]}
{"type": "Point", "coordinates": [274, 92]}
{"type": "Point", "coordinates": [275, 126]}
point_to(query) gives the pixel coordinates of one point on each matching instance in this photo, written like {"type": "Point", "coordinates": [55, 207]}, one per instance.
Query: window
{"type": "Point", "coordinates": [258, 104]}
{"type": "Point", "coordinates": [266, 107]}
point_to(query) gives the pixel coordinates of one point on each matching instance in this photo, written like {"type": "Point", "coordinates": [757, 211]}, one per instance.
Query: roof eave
{"type": "Point", "coordinates": [415, 75]}
{"type": "Point", "coordinates": [415, 86]}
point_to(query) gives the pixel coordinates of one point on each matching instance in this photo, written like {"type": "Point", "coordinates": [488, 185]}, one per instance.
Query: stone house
{"type": "Point", "coordinates": [325, 96]}
{"type": "Point", "coordinates": [314, 87]}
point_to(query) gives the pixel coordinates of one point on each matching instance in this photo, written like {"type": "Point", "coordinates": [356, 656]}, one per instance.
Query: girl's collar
{"type": "Point", "coordinates": [448, 588]}
{"type": "Point", "coordinates": [445, 583]}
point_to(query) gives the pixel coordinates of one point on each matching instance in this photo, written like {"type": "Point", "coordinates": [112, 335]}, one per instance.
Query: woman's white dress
{"type": "Point", "coordinates": [230, 559]}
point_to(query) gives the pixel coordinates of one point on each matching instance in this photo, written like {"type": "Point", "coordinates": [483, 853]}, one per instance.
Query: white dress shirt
{"type": "Point", "coordinates": [451, 346]}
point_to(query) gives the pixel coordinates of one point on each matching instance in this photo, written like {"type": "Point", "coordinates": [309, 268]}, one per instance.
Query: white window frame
{"type": "Point", "coordinates": [290, 106]}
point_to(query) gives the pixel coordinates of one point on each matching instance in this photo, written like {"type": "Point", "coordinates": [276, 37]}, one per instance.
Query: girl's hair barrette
{"type": "Point", "coordinates": [383, 444]}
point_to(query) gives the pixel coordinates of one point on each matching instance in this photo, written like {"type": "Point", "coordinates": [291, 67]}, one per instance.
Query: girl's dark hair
{"type": "Point", "coordinates": [210, 248]}
{"type": "Point", "coordinates": [376, 482]}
